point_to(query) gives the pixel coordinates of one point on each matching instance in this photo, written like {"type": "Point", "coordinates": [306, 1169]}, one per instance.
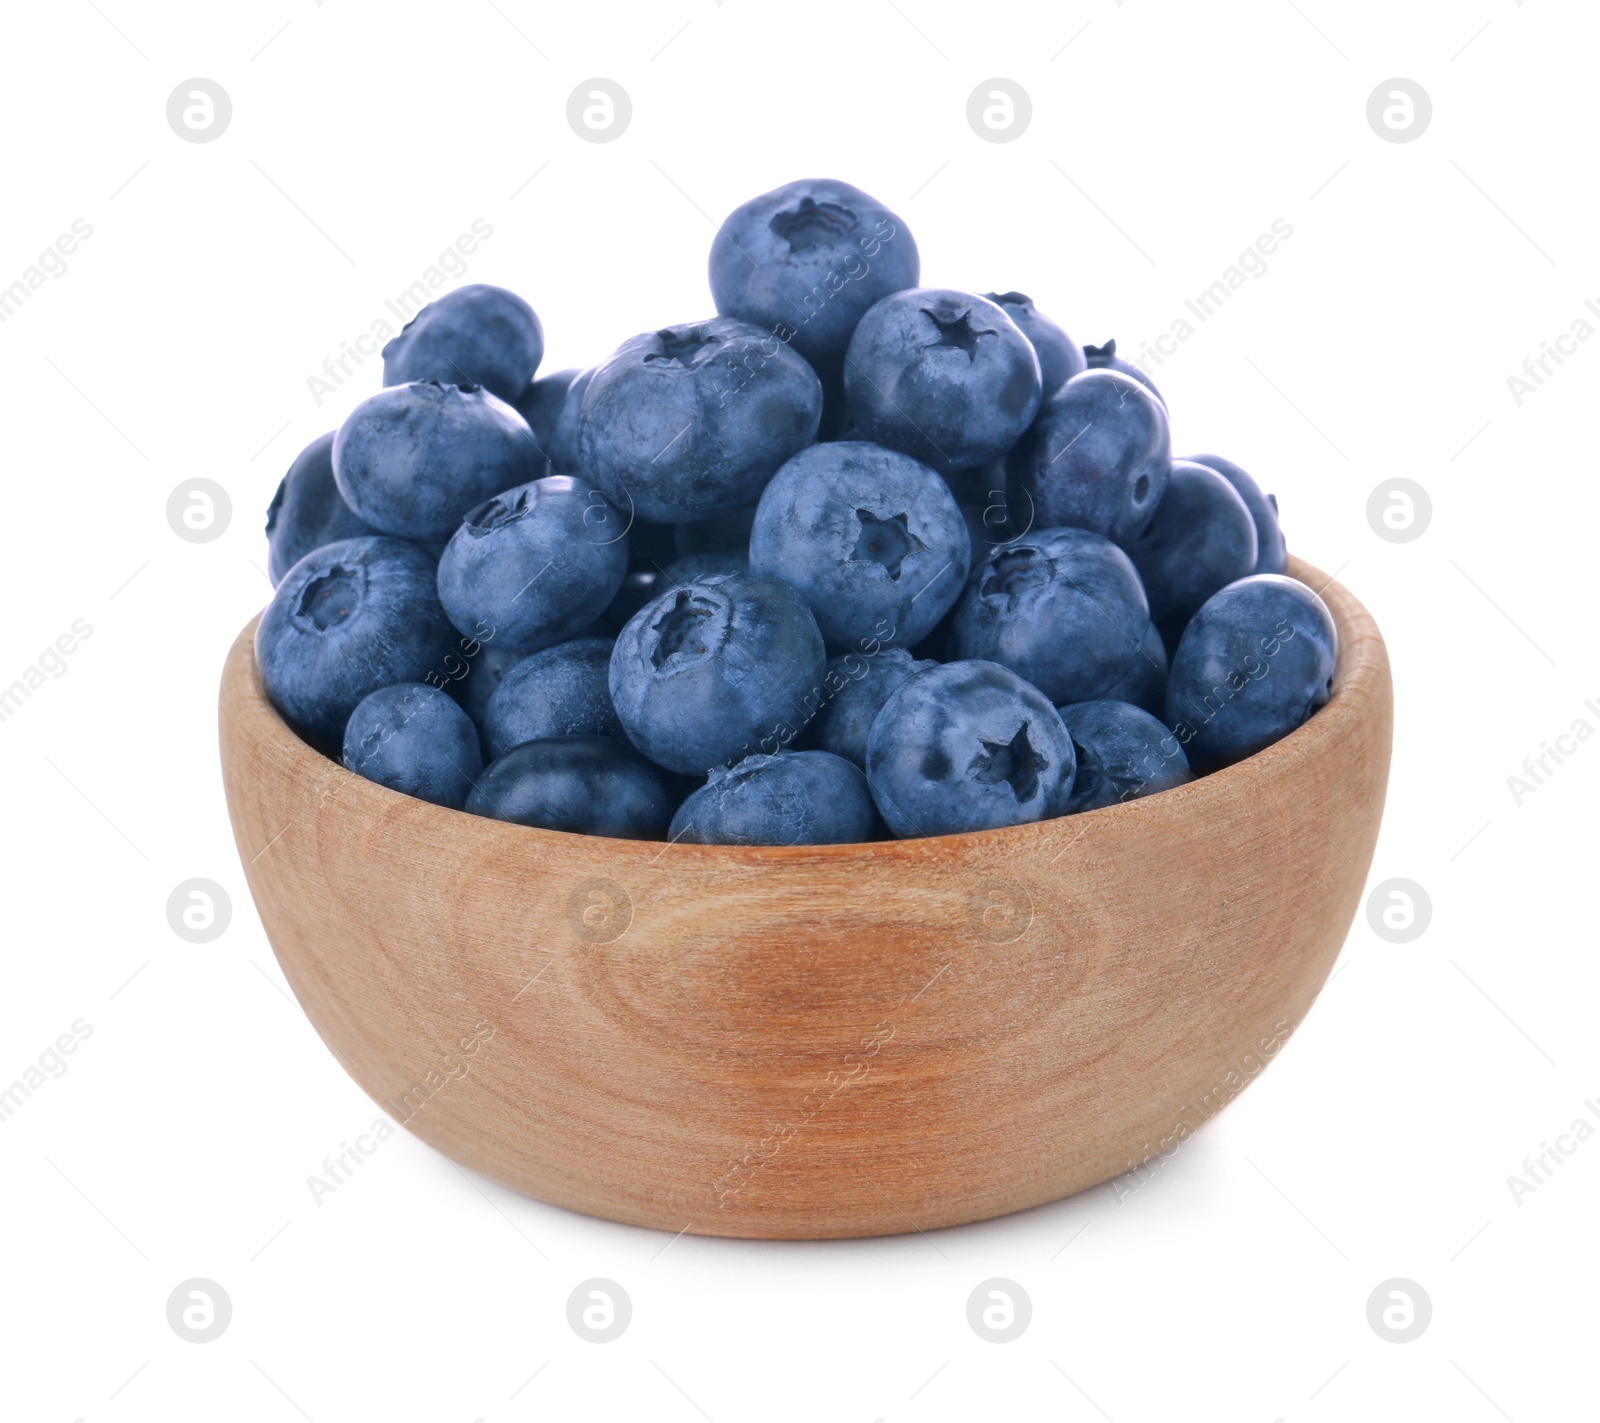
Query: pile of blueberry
{"type": "Point", "coordinates": [852, 556]}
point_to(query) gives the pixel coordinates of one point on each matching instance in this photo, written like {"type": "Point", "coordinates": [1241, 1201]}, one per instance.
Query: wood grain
{"type": "Point", "coordinates": [814, 1042]}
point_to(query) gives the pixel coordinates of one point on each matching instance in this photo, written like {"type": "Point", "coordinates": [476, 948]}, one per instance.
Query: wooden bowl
{"type": "Point", "coordinates": [814, 1042]}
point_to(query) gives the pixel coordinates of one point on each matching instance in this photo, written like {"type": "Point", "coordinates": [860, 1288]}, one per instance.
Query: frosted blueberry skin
{"type": "Point", "coordinates": [872, 541]}
{"type": "Point", "coordinates": [562, 446]}
{"type": "Point", "coordinates": [561, 691]}
{"type": "Point", "coordinates": [1271, 553]}
{"type": "Point", "coordinates": [1097, 458]}
{"type": "Point", "coordinates": [1200, 538]}
{"type": "Point", "coordinates": [1060, 357]}
{"type": "Point", "coordinates": [1105, 358]}
{"type": "Point", "coordinates": [1255, 662]}
{"type": "Point", "coordinates": [535, 565]}
{"type": "Point", "coordinates": [791, 798]}
{"type": "Point", "coordinates": [707, 670]}
{"type": "Point", "coordinates": [412, 460]}
{"type": "Point", "coordinates": [968, 746]}
{"type": "Point", "coordinates": [348, 618]}
{"type": "Point", "coordinates": [414, 739]}
{"type": "Point", "coordinates": [308, 510]}
{"type": "Point", "coordinates": [945, 376]}
{"type": "Point", "coordinates": [1144, 682]}
{"type": "Point", "coordinates": [806, 260]}
{"type": "Point", "coordinates": [984, 499]}
{"type": "Point", "coordinates": [859, 684]}
{"type": "Point", "coordinates": [1063, 608]}
{"type": "Point", "coordinates": [475, 335]}
{"type": "Point", "coordinates": [485, 664]}
{"type": "Point", "coordinates": [1123, 753]}
{"type": "Point", "coordinates": [540, 404]}
{"type": "Point", "coordinates": [692, 420]}
{"type": "Point", "coordinates": [588, 785]}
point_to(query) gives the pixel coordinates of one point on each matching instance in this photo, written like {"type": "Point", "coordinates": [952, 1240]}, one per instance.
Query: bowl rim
{"type": "Point", "coordinates": [1359, 664]}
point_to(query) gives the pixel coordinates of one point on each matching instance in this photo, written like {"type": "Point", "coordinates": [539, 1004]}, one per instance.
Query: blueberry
{"type": "Point", "coordinates": [562, 446]}
{"type": "Point", "coordinates": [791, 798]}
{"type": "Point", "coordinates": [1062, 608]}
{"type": "Point", "coordinates": [1097, 458]}
{"type": "Point", "coordinates": [719, 534]}
{"type": "Point", "coordinates": [413, 459]}
{"type": "Point", "coordinates": [985, 503]}
{"type": "Point", "coordinates": [349, 618]}
{"type": "Point", "coordinates": [413, 738]}
{"type": "Point", "coordinates": [710, 668]}
{"type": "Point", "coordinates": [1270, 551]}
{"type": "Point", "coordinates": [968, 746]}
{"type": "Point", "coordinates": [308, 510]}
{"type": "Point", "coordinates": [806, 260]}
{"type": "Point", "coordinates": [561, 691]}
{"type": "Point", "coordinates": [590, 785]}
{"type": "Point", "coordinates": [1122, 752]}
{"type": "Point", "coordinates": [1200, 538]}
{"type": "Point", "coordinates": [1102, 358]}
{"type": "Point", "coordinates": [534, 565]}
{"type": "Point", "coordinates": [541, 405]}
{"type": "Point", "coordinates": [692, 420]}
{"type": "Point", "coordinates": [870, 538]}
{"type": "Point", "coordinates": [698, 565]}
{"type": "Point", "coordinates": [943, 375]}
{"type": "Point", "coordinates": [1254, 663]}
{"type": "Point", "coordinates": [859, 684]}
{"type": "Point", "coordinates": [473, 674]}
{"type": "Point", "coordinates": [475, 335]}
{"type": "Point", "coordinates": [1060, 357]}
{"type": "Point", "coordinates": [1144, 681]}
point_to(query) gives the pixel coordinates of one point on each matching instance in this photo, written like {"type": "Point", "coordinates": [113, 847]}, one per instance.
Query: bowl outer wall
{"type": "Point", "coordinates": [815, 1042]}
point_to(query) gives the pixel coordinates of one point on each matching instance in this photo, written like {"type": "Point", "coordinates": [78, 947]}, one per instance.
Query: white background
{"type": "Point", "coordinates": [1165, 138]}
